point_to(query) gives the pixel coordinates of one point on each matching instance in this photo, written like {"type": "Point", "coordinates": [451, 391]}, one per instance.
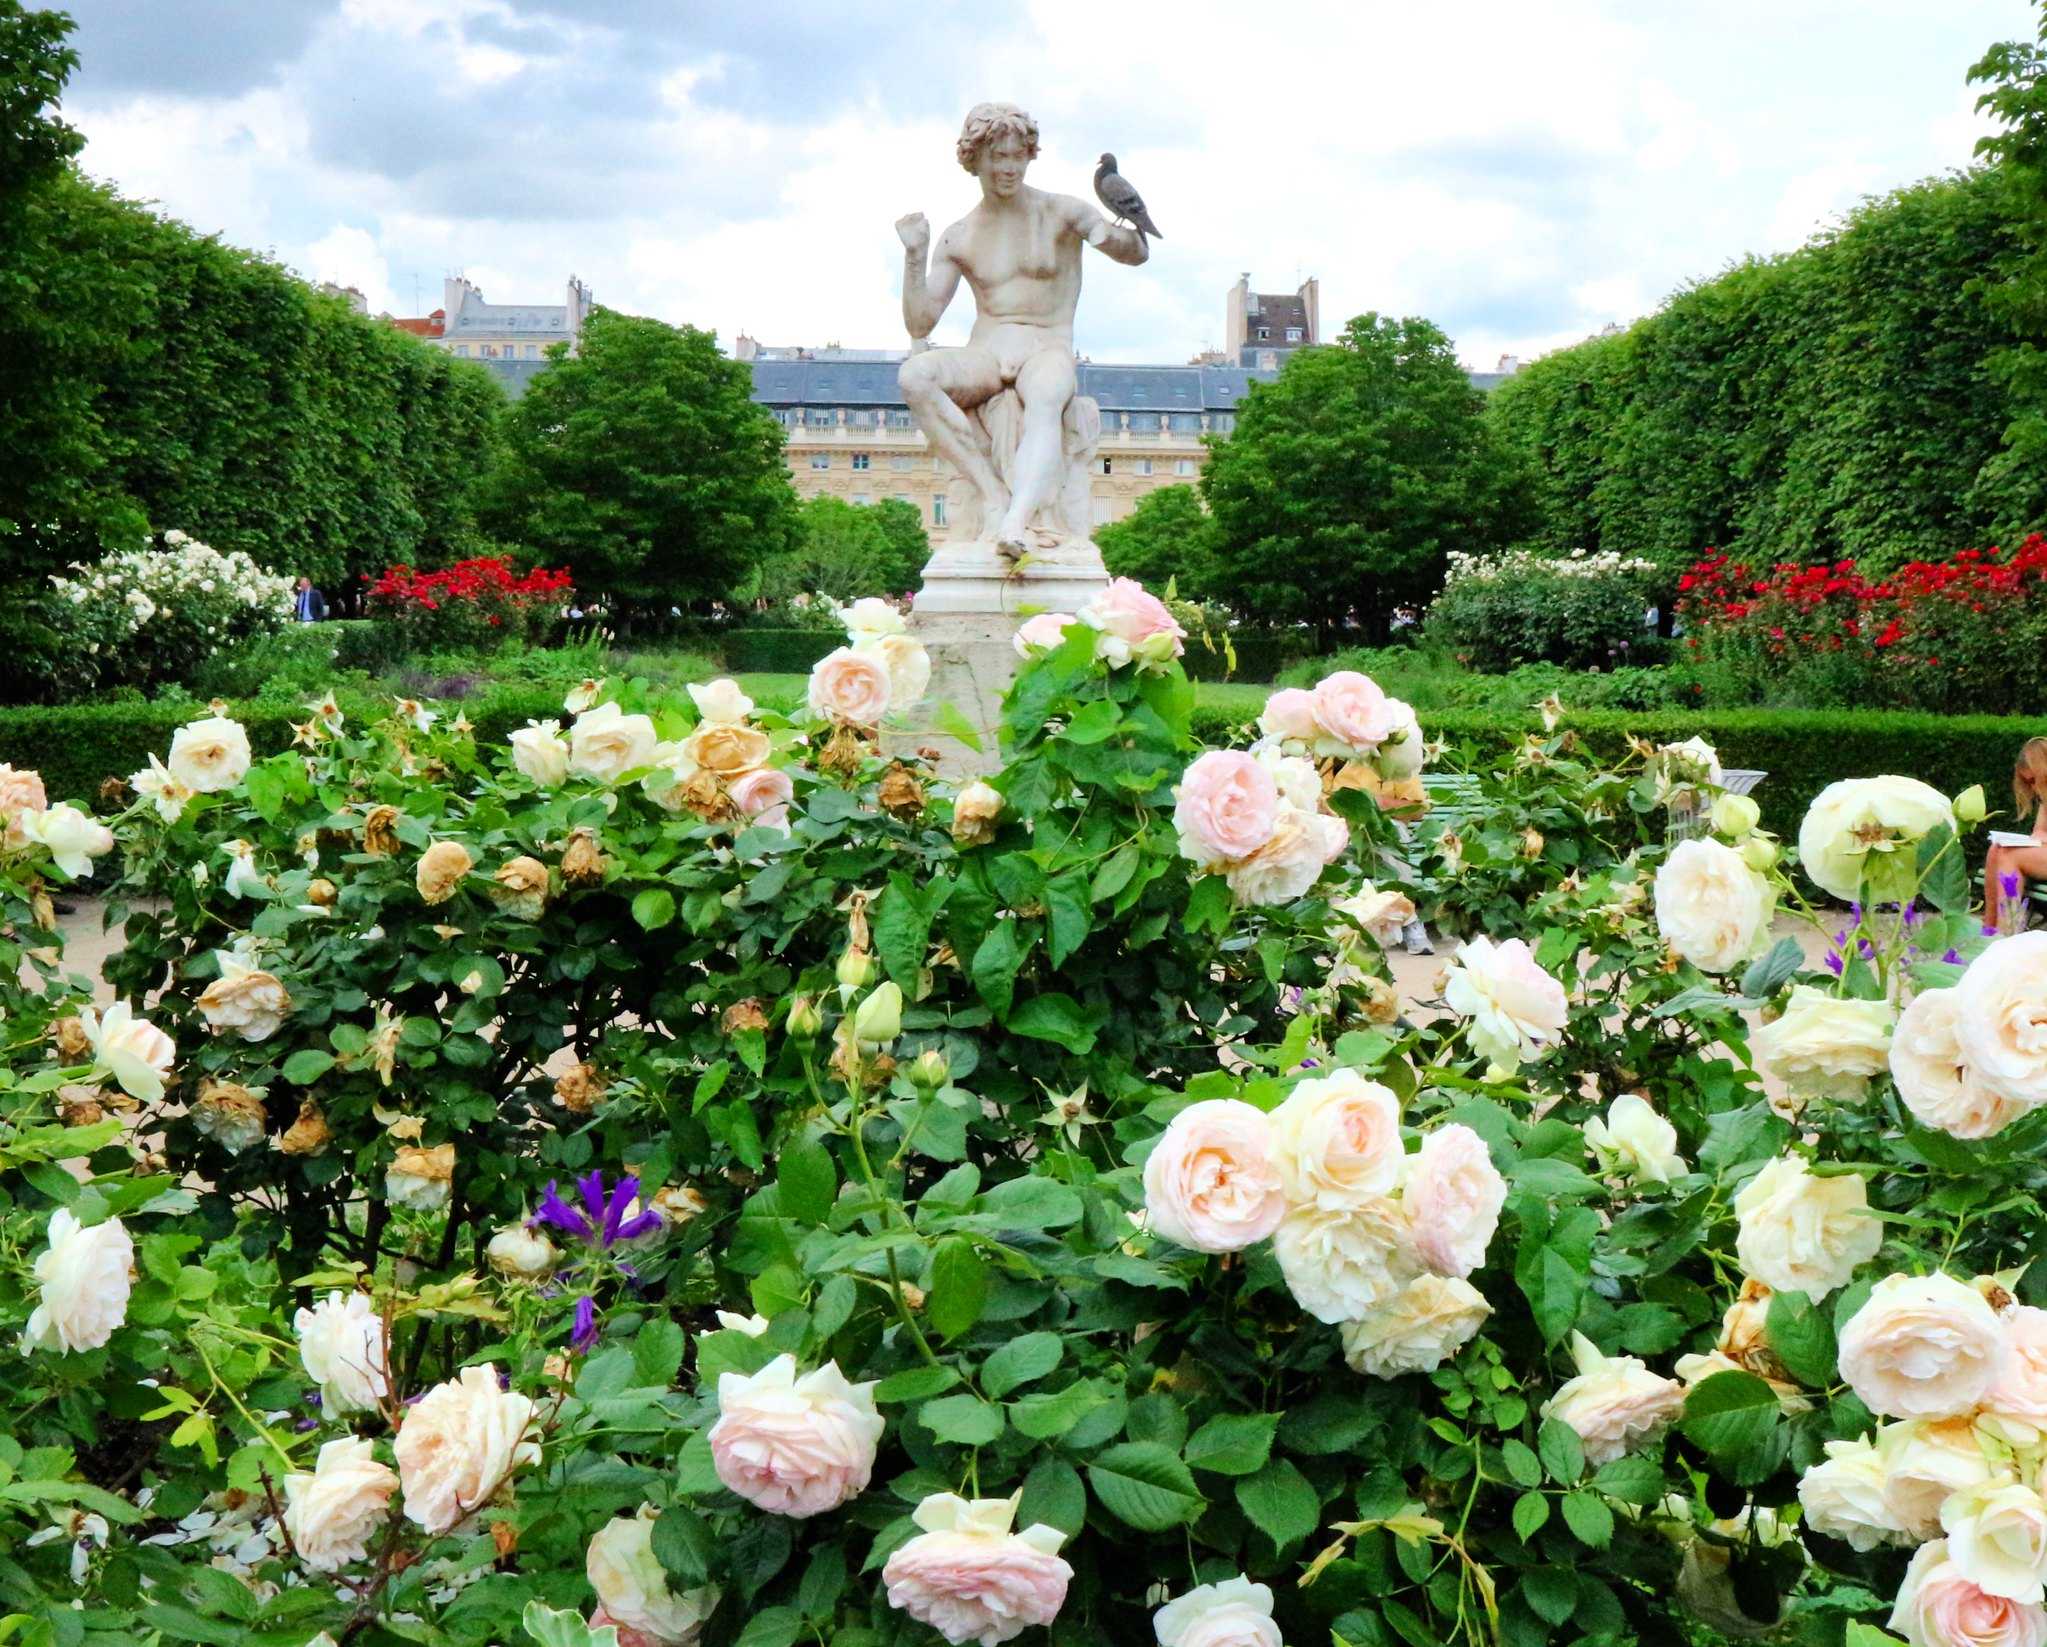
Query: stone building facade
{"type": "Point", "coordinates": [510, 340]}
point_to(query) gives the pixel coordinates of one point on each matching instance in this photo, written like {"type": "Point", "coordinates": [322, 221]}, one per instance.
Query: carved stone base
{"type": "Point", "coordinates": [967, 613]}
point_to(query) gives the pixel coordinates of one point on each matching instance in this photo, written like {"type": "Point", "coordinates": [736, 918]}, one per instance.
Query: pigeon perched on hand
{"type": "Point", "coordinates": [1113, 190]}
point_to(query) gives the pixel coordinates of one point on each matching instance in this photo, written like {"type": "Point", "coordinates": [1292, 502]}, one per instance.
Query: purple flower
{"type": "Point", "coordinates": [2011, 881]}
{"type": "Point", "coordinates": [1834, 963]}
{"type": "Point", "coordinates": [586, 1324]}
{"type": "Point", "coordinates": [1911, 912]}
{"type": "Point", "coordinates": [601, 1220]}
{"type": "Point", "coordinates": [1953, 957]}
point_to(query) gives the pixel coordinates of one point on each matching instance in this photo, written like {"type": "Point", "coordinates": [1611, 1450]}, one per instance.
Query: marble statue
{"type": "Point", "coordinates": [1002, 408]}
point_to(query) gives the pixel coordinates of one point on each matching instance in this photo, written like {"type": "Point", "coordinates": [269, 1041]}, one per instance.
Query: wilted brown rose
{"type": "Point", "coordinates": [44, 910]}
{"type": "Point", "coordinates": [1531, 843]}
{"type": "Point", "coordinates": [380, 831]}
{"type": "Point", "coordinates": [71, 1040]}
{"type": "Point", "coordinates": [308, 1134]}
{"type": "Point", "coordinates": [726, 748]}
{"type": "Point", "coordinates": [843, 751]}
{"type": "Point", "coordinates": [322, 892]}
{"type": "Point", "coordinates": [505, 1536]}
{"type": "Point", "coordinates": [901, 794]}
{"type": "Point", "coordinates": [80, 1112]}
{"type": "Point", "coordinates": [1381, 1005]}
{"type": "Point", "coordinates": [677, 1204]}
{"type": "Point", "coordinates": [520, 888]}
{"type": "Point", "coordinates": [441, 869]}
{"type": "Point", "coordinates": [748, 1014]}
{"type": "Point", "coordinates": [230, 1113]}
{"type": "Point", "coordinates": [381, 1052]}
{"type": "Point", "coordinates": [578, 1090]}
{"type": "Point", "coordinates": [704, 795]}
{"type": "Point", "coordinates": [113, 792]}
{"type": "Point", "coordinates": [583, 860]}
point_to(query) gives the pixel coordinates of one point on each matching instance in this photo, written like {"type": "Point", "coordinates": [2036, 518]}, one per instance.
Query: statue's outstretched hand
{"type": "Point", "coordinates": [914, 232]}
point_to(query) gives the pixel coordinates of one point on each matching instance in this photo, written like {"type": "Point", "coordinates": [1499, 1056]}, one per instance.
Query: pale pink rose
{"type": "Point", "coordinates": [2015, 1405]}
{"type": "Point", "coordinates": [851, 686]}
{"type": "Point", "coordinates": [1922, 1346]}
{"type": "Point", "coordinates": [1932, 1079]}
{"type": "Point", "coordinates": [1235, 1613]}
{"type": "Point", "coordinates": [1615, 1403]}
{"type": "Point", "coordinates": [1938, 1607]}
{"type": "Point", "coordinates": [1516, 1011]}
{"type": "Point", "coordinates": [795, 1446]}
{"type": "Point", "coordinates": [21, 790]}
{"type": "Point", "coordinates": [1225, 807]}
{"type": "Point", "coordinates": [599, 1618]}
{"type": "Point", "coordinates": [1210, 1182]}
{"type": "Point", "coordinates": [1133, 623]}
{"type": "Point", "coordinates": [1335, 1141]}
{"type": "Point", "coordinates": [1303, 844]}
{"type": "Point", "coordinates": [970, 1578]}
{"type": "Point", "coordinates": [761, 789]}
{"type": "Point", "coordinates": [1042, 633]}
{"type": "Point", "coordinates": [1453, 1195]}
{"type": "Point", "coordinates": [1352, 715]}
{"type": "Point", "coordinates": [1289, 714]}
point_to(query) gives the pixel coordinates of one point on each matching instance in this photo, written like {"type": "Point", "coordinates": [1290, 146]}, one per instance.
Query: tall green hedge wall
{"type": "Point", "coordinates": [1830, 402]}
{"type": "Point", "coordinates": [150, 376]}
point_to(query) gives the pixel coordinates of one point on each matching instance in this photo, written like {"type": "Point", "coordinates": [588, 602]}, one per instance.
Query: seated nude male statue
{"type": "Point", "coordinates": [1020, 252]}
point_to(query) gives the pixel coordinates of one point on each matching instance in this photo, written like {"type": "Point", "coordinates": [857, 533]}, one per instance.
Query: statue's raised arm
{"type": "Point", "coordinates": [927, 290]}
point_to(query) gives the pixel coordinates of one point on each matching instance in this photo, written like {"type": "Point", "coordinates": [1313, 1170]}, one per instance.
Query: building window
{"type": "Point", "coordinates": [1186, 423]}
{"type": "Point", "coordinates": [862, 497]}
{"type": "Point", "coordinates": [820, 460]}
{"type": "Point", "coordinates": [1223, 422]}
{"type": "Point", "coordinates": [901, 420]}
{"type": "Point", "coordinates": [821, 418]}
{"type": "Point", "coordinates": [1264, 334]}
{"type": "Point", "coordinates": [1108, 466]}
{"type": "Point", "coordinates": [1183, 466]}
{"type": "Point", "coordinates": [860, 460]}
{"type": "Point", "coordinates": [1144, 466]}
{"type": "Point", "coordinates": [1144, 423]}
{"type": "Point", "coordinates": [1293, 334]}
{"type": "Point", "coordinates": [902, 464]}
{"type": "Point", "coordinates": [532, 351]}
{"type": "Point", "coordinates": [904, 497]}
{"type": "Point", "coordinates": [938, 510]}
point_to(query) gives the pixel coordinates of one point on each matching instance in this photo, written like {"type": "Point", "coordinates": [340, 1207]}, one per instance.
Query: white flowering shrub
{"type": "Point", "coordinates": [1582, 610]}
{"type": "Point", "coordinates": [145, 616]}
{"type": "Point", "coordinates": [688, 1176]}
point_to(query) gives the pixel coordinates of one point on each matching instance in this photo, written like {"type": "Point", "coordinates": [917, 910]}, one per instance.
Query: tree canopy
{"type": "Point", "coordinates": [1349, 480]}
{"type": "Point", "coordinates": [1167, 538]}
{"type": "Point", "coordinates": [643, 462]}
{"type": "Point", "coordinates": [846, 550]}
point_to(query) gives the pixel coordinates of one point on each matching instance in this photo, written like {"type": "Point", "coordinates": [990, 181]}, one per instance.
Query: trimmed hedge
{"type": "Point", "coordinates": [776, 651]}
{"type": "Point", "coordinates": [1261, 655]}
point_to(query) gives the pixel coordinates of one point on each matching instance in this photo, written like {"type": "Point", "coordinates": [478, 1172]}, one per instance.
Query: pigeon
{"type": "Point", "coordinates": [1113, 190]}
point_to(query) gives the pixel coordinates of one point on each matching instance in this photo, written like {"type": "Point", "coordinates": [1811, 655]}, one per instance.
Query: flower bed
{"type": "Point", "coordinates": [470, 603]}
{"type": "Point", "coordinates": [683, 1175]}
{"type": "Point", "coordinates": [1580, 610]}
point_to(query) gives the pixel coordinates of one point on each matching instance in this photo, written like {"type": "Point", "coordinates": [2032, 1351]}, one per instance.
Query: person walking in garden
{"type": "Point", "coordinates": [311, 605]}
{"type": "Point", "coordinates": [2015, 859]}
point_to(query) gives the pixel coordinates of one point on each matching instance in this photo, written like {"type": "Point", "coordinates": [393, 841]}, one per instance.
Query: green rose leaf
{"type": "Point", "coordinates": [1531, 1512]}
{"type": "Point", "coordinates": [1144, 1486]}
{"type": "Point", "coordinates": [1020, 1361]}
{"type": "Point", "coordinates": [654, 908]}
{"type": "Point", "coordinates": [1730, 1415]}
{"type": "Point", "coordinates": [964, 1419]}
{"type": "Point", "coordinates": [1562, 1453]}
{"type": "Point", "coordinates": [1587, 1515]}
{"type": "Point", "coordinates": [959, 1287]}
{"type": "Point", "coordinates": [1233, 1443]}
{"type": "Point", "coordinates": [657, 1353]}
{"type": "Point", "coordinates": [684, 1546]}
{"type": "Point", "coordinates": [1053, 1494]}
{"type": "Point", "coordinates": [805, 1178]}
{"type": "Point", "coordinates": [1802, 1334]}
{"type": "Point", "coordinates": [1280, 1502]}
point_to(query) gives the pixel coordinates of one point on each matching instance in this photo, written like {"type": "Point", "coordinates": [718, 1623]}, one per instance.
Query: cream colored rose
{"type": "Point", "coordinates": [1799, 1233]}
{"type": "Point", "coordinates": [210, 755]}
{"type": "Point", "coordinates": [2015, 1405]}
{"type": "Point", "coordinates": [519, 888]}
{"type": "Point", "coordinates": [1710, 906]}
{"type": "Point", "coordinates": [851, 686]}
{"type": "Point", "coordinates": [541, 752]}
{"type": "Point", "coordinates": [725, 748]}
{"type": "Point", "coordinates": [1825, 1046]}
{"type": "Point", "coordinates": [1383, 914]}
{"type": "Point", "coordinates": [71, 838]}
{"type": "Point", "coordinates": [1997, 1535]}
{"type": "Point", "coordinates": [1289, 862]}
{"type": "Point", "coordinates": [908, 665]}
{"type": "Point", "coordinates": [1210, 1182]}
{"type": "Point", "coordinates": [2001, 1018]}
{"type": "Point", "coordinates": [333, 1513]}
{"type": "Point", "coordinates": [21, 790]}
{"type": "Point", "coordinates": [606, 743]}
{"type": "Point", "coordinates": [1615, 1403]}
{"type": "Point", "coordinates": [720, 702]}
{"type": "Point", "coordinates": [525, 1254]}
{"type": "Point", "coordinates": [1859, 836]}
{"type": "Point", "coordinates": [1336, 1141]}
{"type": "Point", "coordinates": [421, 1179]}
{"type": "Point", "coordinates": [1516, 1011]}
{"type": "Point", "coordinates": [1453, 1194]}
{"type": "Point", "coordinates": [244, 998]}
{"type": "Point", "coordinates": [1425, 1324]}
{"type": "Point", "coordinates": [1843, 1496]}
{"type": "Point", "coordinates": [632, 1586]}
{"type": "Point", "coordinates": [795, 1446]}
{"type": "Point", "coordinates": [459, 1445]}
{"type": "Point", "coordinates": [132, 1050]}
{"type": "Point", "coordinates": [441, 869]}
{"type": "Point", "coordinates": [341, 1343]}
{"type": "Point", "coordinates": [1923, 1462]}
{"type": "Point", "coordinates": [1342, 1264]}
{"type": "Point", "coordinates": [1922, 1346]}
{"type": "Point", "coordinates": [83, 1278]}
{"type": "Point", "coordinates": [1633, 1141]}
{"type": "Point", "coordinates": [969, 1577]}
{"type": "Point", "coordinates": [1939, 1606]}
{"type": "Point", "coordinates": [872, 618]}
{"type": "Point", "coordinates": [1234, 1613]}
{"type": "Point", "coordinates": [1933, 1081]}
{"type": "Point", "coordinates": [974, 813]}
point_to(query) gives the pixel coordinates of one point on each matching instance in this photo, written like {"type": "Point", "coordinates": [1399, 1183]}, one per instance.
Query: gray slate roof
{"type": "Point", "coordinates": [1114, 388]}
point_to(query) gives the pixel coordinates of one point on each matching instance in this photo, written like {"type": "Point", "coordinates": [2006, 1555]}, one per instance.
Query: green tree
{"type": "Point", "coordinates": [643, 463]}
{"type": "Point", "coordinates": [1167, 538]}
{"type": "Point", "coordinates": [1349, 480]}
{"type": "Point", "coordinates": [908, 545]}
{"type": "Point", "coordinates": [838, 549]}
{"type": "Point", "coordinates": [34, 65]}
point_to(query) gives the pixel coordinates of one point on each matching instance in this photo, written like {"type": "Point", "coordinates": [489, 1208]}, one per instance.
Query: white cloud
{"type": "Point", "coordinates": [350, 257]}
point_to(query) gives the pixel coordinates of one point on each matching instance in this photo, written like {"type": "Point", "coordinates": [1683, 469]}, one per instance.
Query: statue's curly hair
{"type": "Point", "coordinates": [987, 121]}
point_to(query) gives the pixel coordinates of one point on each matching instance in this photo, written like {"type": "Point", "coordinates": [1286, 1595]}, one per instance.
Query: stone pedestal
{"type": "Point", "coordinates": [967, 613]}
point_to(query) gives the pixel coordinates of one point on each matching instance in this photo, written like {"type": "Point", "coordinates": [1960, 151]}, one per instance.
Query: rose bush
{"type": "Point", "coordinates": [692, 1175]}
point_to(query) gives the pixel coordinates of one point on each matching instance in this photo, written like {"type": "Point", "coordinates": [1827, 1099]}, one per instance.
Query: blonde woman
{"type": "Point", "coordinates": [2016, 859]}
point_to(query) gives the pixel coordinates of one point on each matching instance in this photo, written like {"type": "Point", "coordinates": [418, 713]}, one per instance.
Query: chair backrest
{"type": "Point", "coordinates": [1688, 819]}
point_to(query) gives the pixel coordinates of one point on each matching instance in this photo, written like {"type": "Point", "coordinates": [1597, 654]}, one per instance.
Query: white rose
{"type": "Point", "coordinates": [1933, 1080]}
{"type": "Point", "coordinates": [1683, 766]}
{"type": "Point", "coordinates": [1997, 1535]}
{"type": "Point", "coordinates": [72, 839]}
{"type": "Point", "coordinates": [1234, 1613]}
{"type": "Point", "coordinates": [83, 1278]}
{"type": "Point", "coordinates": [459, 1445]}
{"type": "Point", "coordinates": [1711, 907]}
{"type": "Point", "coordinates": [1516, 1011]}
{"type": "Point", "coordinates": [1923, 1463]}
{"type": "Point", "coordinates": [1383, 914]}
{"type": "Point", "coordinates": [1922, 1346]}
{"type": "Point", "coordinates": [1633, 1141]}
{"type": "Point", "coordinates": [1336, 1141]}
{"type": "Point", "coordinates": [632, 1586]}
{"type": "Point", "coordinates": [155, 784]}
{"type": "Point", "coordinates": [908, 666]}
{"type": "Point", "coordinates": [1343, 1263]}
{"type": "Point", "coordinates": [1614, 1403]}
{"type": "Point", "coordinates": [1939, 1606]}
{"type": "Point", "coordinates": [872, 618]}
{"type": "Point", "coordinates": [421, 1180]}
{"type": "Point", "coordinates": [541, 752]}
{"type": "Point", "coordinates": [1302, 844]}
{"type": "Point", "coordinates": [133, 1050]}
{"type": "Point", "coordinates": [795, 1445]}
{"type": "Point", "coordinates": [1843, 1496]}
{"type": "Point", "coordinates": [210, 755]}
{"type": "Point", "coordinates": [1430, 1320]}
{"type": "Point", "coordinates": [1799, 1233]}
{"type": "Point", "coordinates": [2001, 1018]}
{"type": "Point", "coordinates": [1858, 838]}
{"type": "Point", "coordinates": [606, 743]}
{"type": "Point", "coordinates": [341, 1342]}
{"type": "Point", "coordinates": [1825, 1046]}
{"type": "Point", "coordinates": [721, 702]}
{"type": "Point", "coordinates": [518, 1251]}
{"type": "Point", "coordinates": [332, 1514]}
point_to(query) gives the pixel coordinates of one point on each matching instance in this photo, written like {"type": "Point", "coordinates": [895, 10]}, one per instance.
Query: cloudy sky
{"type": "Point", "coordinates": [1520, 171]}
